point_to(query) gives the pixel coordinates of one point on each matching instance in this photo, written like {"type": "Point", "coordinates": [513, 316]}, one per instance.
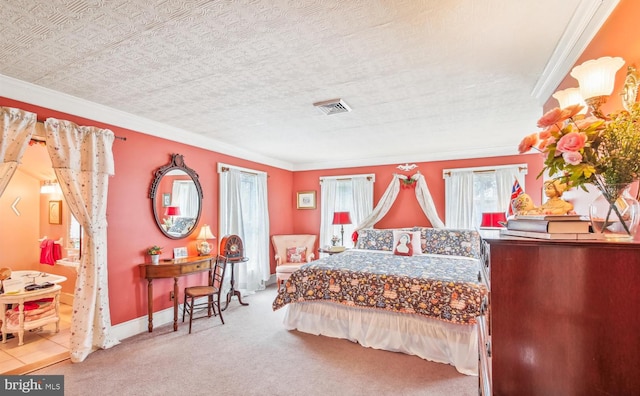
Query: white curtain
{"type": "Point", "coordinates": [384, 204]}
{"type": "Point", "coordinates": [505, 177]}
{"type": "Point", "coordinates": [328, 198]}
{"type": "Point", "coordinates": [83, 161]}
{"type": "Point", "coordinates": [16, 126]}
{"type": "Point", "coordinates": [185, 195]}
{"type": "Point", "coordinates": [244, 212]}
{"type": "Point", "coordinates": [426, 201]}
{"type": "Point", "coordinates": [459, 200]}
{"type": "Point", "coordinates": [362, 188]}
{"type": "Point", "coordinates": [388, 198]}
{"type": "Point", "coordinates": [354, 195]}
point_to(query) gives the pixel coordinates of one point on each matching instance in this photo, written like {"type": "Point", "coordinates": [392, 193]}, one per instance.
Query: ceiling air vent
{"type": "Point", "coordinates": [333, 106]}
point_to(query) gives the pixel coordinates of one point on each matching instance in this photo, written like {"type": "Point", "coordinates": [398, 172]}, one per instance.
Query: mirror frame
{"type": "Point", "coordinates": [177, 163]}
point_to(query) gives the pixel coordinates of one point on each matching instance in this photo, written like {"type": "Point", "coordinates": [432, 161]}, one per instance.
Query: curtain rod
{"type": "Point", "coordinates": [225, 168]}
{"type": "Point", "coordinates": [39, 137]}
{"type": "Point", "coordinates": [521, 168]}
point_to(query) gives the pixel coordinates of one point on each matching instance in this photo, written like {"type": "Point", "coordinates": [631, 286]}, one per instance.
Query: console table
{"type": "Point", "coordinates": [173, 269]}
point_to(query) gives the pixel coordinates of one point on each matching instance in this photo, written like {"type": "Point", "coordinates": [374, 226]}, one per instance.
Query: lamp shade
{"type": "Point", "coordinates": [493, 220]}
{"type": "Point", "coordinates": [173, 211]}
{"type": "Point", "coordinates": [570, 96]}
{"type": "Point", "coordinates": [341, 218]}
{"type": "Point", "coordinates": [205, 233]}
{"type": "Point", "coordinates": [597, 76]}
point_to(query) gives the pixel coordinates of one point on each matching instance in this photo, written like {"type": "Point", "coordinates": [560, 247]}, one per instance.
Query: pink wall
{"type": "Point", "coordinates": [406, 212]}
{"type": "Point", "coordinates": [130, 218]}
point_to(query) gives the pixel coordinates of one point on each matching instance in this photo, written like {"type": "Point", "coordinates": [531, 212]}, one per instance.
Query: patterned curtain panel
{"type": "Point", "coordinates": [83, 161]}
{"type": "Point", "coordinates": [17, 126]}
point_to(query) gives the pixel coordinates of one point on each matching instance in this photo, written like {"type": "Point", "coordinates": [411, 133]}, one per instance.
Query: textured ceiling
{"type": "Point", "coordinates": [426, 80]}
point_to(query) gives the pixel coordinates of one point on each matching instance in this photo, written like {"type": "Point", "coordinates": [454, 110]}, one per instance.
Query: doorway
{"type": "Point", "coordinates": [28, 222]}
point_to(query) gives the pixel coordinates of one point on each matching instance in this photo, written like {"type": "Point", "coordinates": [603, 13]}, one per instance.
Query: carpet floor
{"type": "Point", "coordinates": [252, 354]}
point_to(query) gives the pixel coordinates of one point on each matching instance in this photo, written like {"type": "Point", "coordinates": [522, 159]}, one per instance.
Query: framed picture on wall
{"type": "Point", "coordinates": [55, 212]}
{"type": "Point", "coordinates": [166, 199]}
{"type": "Point", "coordinates": [306, 200]}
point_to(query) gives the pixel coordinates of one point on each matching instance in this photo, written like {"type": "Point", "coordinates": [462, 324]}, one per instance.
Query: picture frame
{"type": "Point", "coordinates": [166, 200]}
{"type": "Point", "coordinates": [306, 200]}
{"type": "Point", "coordinates": [55, 212]}
{"type": "Point", "coordinates": [180, 253]}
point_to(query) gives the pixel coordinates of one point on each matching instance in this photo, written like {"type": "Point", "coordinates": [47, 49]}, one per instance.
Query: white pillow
{"type": "Point", "coordinates": [406, 243]}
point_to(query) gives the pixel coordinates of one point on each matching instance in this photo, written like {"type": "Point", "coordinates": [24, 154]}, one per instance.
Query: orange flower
{"type": "Point", "coordinates": [551, 117]}
{"type": "Point", "coordinates": [527, 143]}
{"type": "Point", "coordinates": [572, 110]}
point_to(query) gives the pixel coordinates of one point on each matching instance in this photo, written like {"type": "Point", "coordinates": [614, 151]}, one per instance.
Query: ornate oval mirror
{"type": "Point", "coordinates": [176, 198]}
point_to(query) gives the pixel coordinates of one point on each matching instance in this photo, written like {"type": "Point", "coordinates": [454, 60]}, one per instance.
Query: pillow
{"type": "Point", "coordinates": [375, 239]}
{"type": "Point", "coordinates": [406, 243]}
{"type": "Point", "coordinates": [297, 254]}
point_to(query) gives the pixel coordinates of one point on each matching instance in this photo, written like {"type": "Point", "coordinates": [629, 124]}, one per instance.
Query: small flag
{"type": "Point", "coordinates": [516, 191]}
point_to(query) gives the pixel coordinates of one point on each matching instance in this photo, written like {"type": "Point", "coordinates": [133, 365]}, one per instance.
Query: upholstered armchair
{"type": "Point", "coordinates": [291, 252]}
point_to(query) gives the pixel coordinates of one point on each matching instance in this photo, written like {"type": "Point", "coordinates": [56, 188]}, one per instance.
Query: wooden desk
{"type": "Point", "coordinates": [173, 269]}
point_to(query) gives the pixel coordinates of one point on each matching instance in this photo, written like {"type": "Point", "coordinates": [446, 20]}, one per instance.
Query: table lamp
{"type": "Point", "coordinates": [203, 246]}
{"type": "Point", "coordinates": [493, 220]}
{"type": "Point", "coordinates": [341, 218]}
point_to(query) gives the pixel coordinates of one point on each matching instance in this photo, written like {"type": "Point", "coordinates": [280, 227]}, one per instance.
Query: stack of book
{"type": "Point", "coordinates": [550, 227]}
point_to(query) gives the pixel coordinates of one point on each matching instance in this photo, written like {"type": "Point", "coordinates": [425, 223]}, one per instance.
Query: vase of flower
{"type": "Point", "coordinates": [615, 213]}
{"type": "Point", "coordinates": [154, 252]}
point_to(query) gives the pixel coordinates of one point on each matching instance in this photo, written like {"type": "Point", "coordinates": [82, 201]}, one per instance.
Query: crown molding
{"type": "Point", "coordinates": [583, 26]}
{"type": "Point", "coordinates": [44, 97]}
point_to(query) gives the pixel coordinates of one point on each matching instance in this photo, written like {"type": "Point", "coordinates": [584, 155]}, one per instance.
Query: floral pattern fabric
{"type": "Point", "coordinates": [452, 242]}
{"type": "Point", "coordinates": [436, 286]}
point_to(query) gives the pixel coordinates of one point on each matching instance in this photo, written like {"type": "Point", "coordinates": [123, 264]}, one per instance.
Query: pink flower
{"type": "Point", "coordinates": [572, 141]}
{"type": "Point", "coordinates": [572, 157]}
{"type": "Point", "coordinates": [552, 117]}
{"type": "Point", "coordinates": [527, 143]}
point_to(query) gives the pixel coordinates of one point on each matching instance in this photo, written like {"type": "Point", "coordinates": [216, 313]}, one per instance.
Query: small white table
{"type": "Point", "coordinates": [23, 296]}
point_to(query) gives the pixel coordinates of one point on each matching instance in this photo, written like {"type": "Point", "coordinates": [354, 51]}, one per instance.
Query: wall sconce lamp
{"type": "Point", "coordinates": [341, 218]}
{"type": "Point", "coordinates": [204, 247]}
{"type": "Point", "coordinates": [50, 187]}
{"type": "Point", "coordinates": [570, 96]}
{"type": "Point", "coordinates": [596, 78]}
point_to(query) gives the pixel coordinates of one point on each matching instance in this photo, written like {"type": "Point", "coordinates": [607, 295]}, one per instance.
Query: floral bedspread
{"type": "Point", "coordinates": [437, 286]}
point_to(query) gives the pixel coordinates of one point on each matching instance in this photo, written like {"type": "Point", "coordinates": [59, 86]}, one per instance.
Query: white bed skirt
{"type": "Point", "coordinates": [429, 339]}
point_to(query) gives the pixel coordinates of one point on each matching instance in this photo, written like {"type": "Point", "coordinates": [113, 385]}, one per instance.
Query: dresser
{"type": "Point", "coordinates": [561, 318]}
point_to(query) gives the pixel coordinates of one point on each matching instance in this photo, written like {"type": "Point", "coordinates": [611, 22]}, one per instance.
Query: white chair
{"type": "Point", "coordinates": [291, 252]}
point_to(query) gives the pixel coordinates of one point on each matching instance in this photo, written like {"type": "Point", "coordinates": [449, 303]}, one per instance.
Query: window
{"type": "Point", "coordinates": [353, 194]}
{"type": "Point", "coordinates": [471, 191]}
{"type": "Point", "coordinates": [244, 212]}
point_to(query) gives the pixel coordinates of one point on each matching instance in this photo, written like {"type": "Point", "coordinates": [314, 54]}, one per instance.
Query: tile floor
{"type": "Point", "coordinates": [40, 349]}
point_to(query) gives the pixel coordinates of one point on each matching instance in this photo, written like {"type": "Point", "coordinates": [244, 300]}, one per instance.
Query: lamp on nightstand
{"type": "Point", "coordinates": [341, 218]}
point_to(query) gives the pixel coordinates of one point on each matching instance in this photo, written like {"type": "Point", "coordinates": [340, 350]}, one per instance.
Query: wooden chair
{"type": "Point", "coordinates": [212, 292]}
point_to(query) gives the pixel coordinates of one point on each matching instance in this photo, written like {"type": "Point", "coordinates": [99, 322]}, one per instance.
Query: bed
{"type": "Point", "coordinates": [423, 304]}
